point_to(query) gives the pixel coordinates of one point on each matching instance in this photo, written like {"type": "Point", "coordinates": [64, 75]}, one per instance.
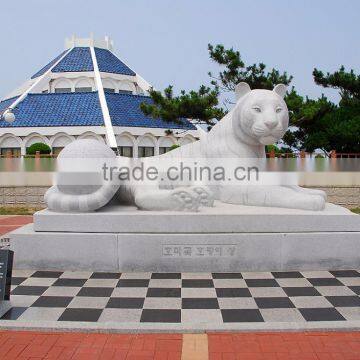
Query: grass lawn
{"type": "Point", "coordinates": [18, 210]}
{"type": "Point", "coordinates": [356, 210]}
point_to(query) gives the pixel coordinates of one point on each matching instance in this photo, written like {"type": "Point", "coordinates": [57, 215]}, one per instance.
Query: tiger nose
{"type": "Point", "coordinates": [270, 123]}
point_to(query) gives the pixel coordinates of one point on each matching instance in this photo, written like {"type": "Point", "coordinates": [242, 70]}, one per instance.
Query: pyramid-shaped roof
{"type": "Point", "coordinates": [39, 103]}
{"type": "Point", "coordinates": [83, 109]}
{"type": "Point", "coordinates": [78, 59]}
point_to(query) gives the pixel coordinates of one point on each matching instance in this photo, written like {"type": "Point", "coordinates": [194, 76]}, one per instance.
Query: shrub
{"type": "Point", "coordinates": [173, 147]}
{"type": "Point", "coordinates": [41, 147]}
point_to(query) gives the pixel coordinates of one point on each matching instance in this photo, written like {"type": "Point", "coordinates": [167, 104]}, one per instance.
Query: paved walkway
{"type": "Point", "coordinates": [52, 299]}
{"type": "Point", "coordinates": [227, 346]}
{"type": "Point", "coordinates": [11, 222]}
{"type": "Point", "coordinates": [185, 301]}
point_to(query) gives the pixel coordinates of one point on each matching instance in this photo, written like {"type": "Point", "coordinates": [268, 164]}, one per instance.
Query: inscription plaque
{"type": "Point", "coordinates": [198, 251]}
{"type": "Point", "coordinates": [6, 264]}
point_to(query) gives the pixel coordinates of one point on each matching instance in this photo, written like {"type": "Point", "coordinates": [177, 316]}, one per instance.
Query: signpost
{"type": "Point", "coordinates": [6, 264]}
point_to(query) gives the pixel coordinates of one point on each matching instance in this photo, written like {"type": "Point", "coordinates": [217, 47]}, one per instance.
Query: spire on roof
{"type": "Point", "coordinates": [74, 41]}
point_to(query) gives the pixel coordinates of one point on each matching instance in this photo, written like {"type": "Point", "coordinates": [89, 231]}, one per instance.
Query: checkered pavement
{"type": "Point", "coordinates": [306, 296]}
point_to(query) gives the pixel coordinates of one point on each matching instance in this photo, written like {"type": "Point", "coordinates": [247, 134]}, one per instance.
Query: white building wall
{"type": "Point", "coordinates": [24, 137]}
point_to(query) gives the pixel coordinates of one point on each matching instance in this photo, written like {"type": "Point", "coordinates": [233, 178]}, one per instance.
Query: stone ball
{"type": "Point", "coordinates": [68, 180]}
{"type": "Point", "coordinates": [86, 148]}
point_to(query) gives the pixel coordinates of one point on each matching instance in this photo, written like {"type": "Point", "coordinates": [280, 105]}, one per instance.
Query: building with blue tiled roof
{"type": "Point", "coordinates": [86, 92]}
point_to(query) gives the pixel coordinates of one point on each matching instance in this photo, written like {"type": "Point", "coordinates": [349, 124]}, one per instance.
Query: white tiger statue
{"type": "Point", "coordinates": [259, 118]}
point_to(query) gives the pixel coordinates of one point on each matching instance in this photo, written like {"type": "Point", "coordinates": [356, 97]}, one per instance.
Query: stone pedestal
{"type": "Point", "coordinates": [220, 239]}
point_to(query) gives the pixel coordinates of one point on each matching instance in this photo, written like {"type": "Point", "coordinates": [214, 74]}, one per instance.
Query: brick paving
{"type": "Point", "coordinates": [12, 222]}
{"type": "Point", "coordinates": [214, 346]}
{"type": "Point", "coordinates": [287, 346]}
{"type": "Point", "coordinates": [78, 346]}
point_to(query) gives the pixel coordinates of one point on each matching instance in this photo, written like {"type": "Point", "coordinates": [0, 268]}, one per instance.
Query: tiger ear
{"type": "Point", "coordinates": [241, 89]}
{"type": "Point", "coordinates": [280, 89]}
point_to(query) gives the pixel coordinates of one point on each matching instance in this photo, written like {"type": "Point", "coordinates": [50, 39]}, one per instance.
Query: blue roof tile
{"type": "Point", "coordinates": [83, 109]}
{"type": "Point", "coordinates": [125, 110]}
{"type": "Point", "coordinates": [6, 103]}
{"type": "Point", "coordinates": [109, 63]}
{"type": "Point", "coordinates": [48, 66]}
{"type": "Point", "coordinates": [72, 109]}
{"type": "Point", "coordinates": [78, 59]}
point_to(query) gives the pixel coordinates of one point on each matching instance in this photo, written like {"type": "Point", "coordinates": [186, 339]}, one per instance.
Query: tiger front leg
{"type": "Point", "coordinates": [271, 196]}
{"type": "Point", "coordinates": [179, 199]}
{"type": "Point", "coordinates": [205, 195]}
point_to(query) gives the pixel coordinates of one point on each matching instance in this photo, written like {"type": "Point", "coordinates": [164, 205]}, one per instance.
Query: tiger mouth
{"type": "Point", "coordinates": [261, 132]}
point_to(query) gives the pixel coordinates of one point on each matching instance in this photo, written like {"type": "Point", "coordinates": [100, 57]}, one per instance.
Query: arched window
{"type": "Point", "coordinates": [108, 85]}
{"type": "Point", "coordinates": [62, 86]}
{"type": "Point", "coordinates": [91, 136]}
{"type": "Point", "coordinates": [146, 147]}
{"type": "Point", "coordinates": [35, 139]}
{"type": "Point", "coordinates": [59, 143]}
{"type": "Point", "coordinates": [83, 85]}
{"type": "Point", "coordinates": [11, 147]}
{"type": "Point", "coordinates": [165, 145]}
{"type": "Point", "coordinates": [125, 146]}
{"type": "Point", "coordinates": [125, 87]}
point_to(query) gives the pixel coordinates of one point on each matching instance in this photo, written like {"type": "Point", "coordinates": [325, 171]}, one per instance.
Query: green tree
{"type": "Point", "coordinates": [320, 124]}
{"type": "Point", "coordinates": [314, 123]}
{"type": "Point", "coordinates": [347, 82]}
{"type": "Point", "coordinates": [41, 147]}
{"type": "Point", "coordinates": [235, 71]}
{"type": "Point", "coordinates": [203, 105]}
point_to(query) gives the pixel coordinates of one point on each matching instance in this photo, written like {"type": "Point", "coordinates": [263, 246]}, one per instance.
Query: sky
{"type": "Point", "coordinates": [165, 41]}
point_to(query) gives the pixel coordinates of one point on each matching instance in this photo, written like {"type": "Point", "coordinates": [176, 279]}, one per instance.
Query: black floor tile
{"type": "Point", "coordinates": [200, 303]}
{"type": "Point", "coordinates": [343, 301]}
{"type": "Point", "coordinates": [52, 301]}
{"type": "Point", "coordinates": [13, 313]}
{"type": "Point", "coordinates": [242, 315]}
{"type": "Point", "coordinates": [274, 303]}
{"type": "Point", "coordinates": [261, 283]}
{"type": "Point", "coordinates": [321, 314]}
{"type": "Point", "coordinates": [29, 290]}
{"type": "Point", "coordinates": [301, 291]}
{"type": "Point", "coordinates": [166, 275]}
{"type": "Point", "coordinates": [69, 282]}
{"type": "Point", "coordinates": [95, 291]}
{"type": "Point", "coordinates": [165, 316]}
{"type": "Point", "coordinates": [164, 292]}
{"type": "Point", "coordinates": [47, 274]}
{"type": "Point", "coordinates": [197, 283]}
{"type": "Point", "coordinates": [105, 275]}
{"type": "Point", "coordinates": [133, 283]}
{"type": "Point", "coordinates": [233, 292]}
{"type": "Point", "coordinates": [325, 282]}
{"type": "Point", "coordinates": [345, 273]}
{"type": "Point", "coordinates": [81, 315]}
{"type": "Point", "coordinates": [287, 275]}
{"type": "Point", "coordinates": [125, 303]}
{"type": "Point", "coordinates": [226, 275]}
{"type": "Point", "coordinates": [17, 280]}
{"type": "Point", "coordinates": [355, 289]}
